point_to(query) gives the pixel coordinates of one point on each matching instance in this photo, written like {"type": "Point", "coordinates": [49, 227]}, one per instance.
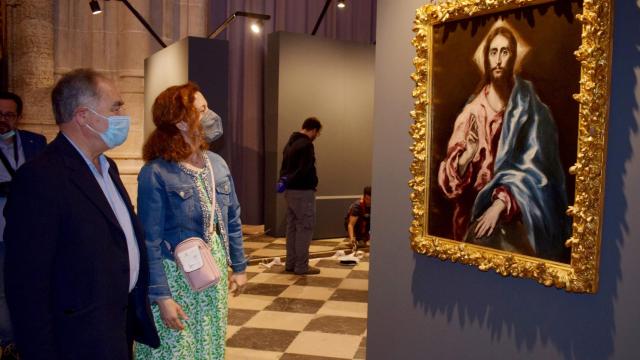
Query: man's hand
{"type": "Point", "coordinates": [237, 283]}
{"type": "Point", "coordinates": [171, 313]}
{"type": "Point", "coordinates": [487, 222]}
{"type": "Point", "coordinates": [472, 145]}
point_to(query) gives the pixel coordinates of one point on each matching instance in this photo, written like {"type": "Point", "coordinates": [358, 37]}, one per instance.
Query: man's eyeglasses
{"type": "Point", "coordinates": [8, 116]}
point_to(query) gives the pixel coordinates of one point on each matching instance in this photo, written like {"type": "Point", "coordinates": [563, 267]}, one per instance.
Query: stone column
{"type": "Point", "coordinates": [134, 45]}
{"type": "Point", "coordinates": [31, 66]}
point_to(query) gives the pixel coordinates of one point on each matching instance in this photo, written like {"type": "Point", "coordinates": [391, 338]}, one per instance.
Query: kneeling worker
{"type": "Point", "coordinates": [358, 220]}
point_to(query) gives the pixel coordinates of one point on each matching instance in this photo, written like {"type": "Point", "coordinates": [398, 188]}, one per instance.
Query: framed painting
{"type": "Point", "coordinates": [509, 136]}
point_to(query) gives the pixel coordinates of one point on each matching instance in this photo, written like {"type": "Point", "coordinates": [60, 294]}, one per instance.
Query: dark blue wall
{"type": "Point", "coordinates": [423, 308]}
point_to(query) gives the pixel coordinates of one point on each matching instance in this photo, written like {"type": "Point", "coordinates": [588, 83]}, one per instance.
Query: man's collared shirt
{"type": "Point", "coordinates": [8, 150]}
{"type": "Point", "coordinates": [120, 210]}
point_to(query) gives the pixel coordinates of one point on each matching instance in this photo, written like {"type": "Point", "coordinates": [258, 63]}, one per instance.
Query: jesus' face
{"type": "Point", "coordinates": [500, 56]}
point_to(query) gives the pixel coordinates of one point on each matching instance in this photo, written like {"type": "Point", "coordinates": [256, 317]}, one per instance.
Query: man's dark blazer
{"type": "Point", "coordinates": [67, 264]}
{"type": "Point", "coordinates": [32, 143]}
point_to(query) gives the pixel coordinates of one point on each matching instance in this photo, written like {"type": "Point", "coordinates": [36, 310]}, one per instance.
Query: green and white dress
{"type": "Point", "coordinates": [204, 334]}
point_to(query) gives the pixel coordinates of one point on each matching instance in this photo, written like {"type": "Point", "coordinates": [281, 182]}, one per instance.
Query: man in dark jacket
{"type": "Point", "coordinates": [298, 171]}
{"type": "Point", "coordinates": [16, 148]}
{"type": "Point", "coordinates": [77, 276]}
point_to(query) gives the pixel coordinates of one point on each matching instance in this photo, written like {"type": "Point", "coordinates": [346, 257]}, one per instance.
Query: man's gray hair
{"type": "Point", "coordinates": [76, 88]}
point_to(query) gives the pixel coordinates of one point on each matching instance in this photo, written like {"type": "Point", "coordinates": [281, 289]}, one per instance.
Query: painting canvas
{"type": "Point", "coordinates": [500, 131]}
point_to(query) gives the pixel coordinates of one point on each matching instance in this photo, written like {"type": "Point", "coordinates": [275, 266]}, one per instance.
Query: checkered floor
{"type": "Point", "coordinates": [259, 247]}
{"type": "Point", "coordinates": [290, 317]}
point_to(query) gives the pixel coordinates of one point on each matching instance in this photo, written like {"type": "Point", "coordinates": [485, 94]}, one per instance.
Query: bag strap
{"type": "Point", "coordinates": [225, 236]}
{"type": "Point", "coordinates": [215, 210]}
{"type": "Point", "coordinates": [5, 162]}
{"type": "Point", "coordinates": [212, 194]}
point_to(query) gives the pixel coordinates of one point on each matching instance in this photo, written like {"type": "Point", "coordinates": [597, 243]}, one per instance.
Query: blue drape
{"type": "Point", "coordinates": [528, 164]}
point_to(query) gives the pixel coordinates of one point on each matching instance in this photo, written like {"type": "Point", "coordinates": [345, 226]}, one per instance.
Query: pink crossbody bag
{"type": "Point", "coordinates": [193, 255]}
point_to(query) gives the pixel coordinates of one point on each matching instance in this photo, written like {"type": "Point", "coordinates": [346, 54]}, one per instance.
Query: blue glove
{"type": "Point", "coordinates": [281, 186]}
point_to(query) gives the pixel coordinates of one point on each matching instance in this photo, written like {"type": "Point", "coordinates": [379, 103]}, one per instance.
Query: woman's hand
{"type": "Point", "coordinates": [237, 283]}
{"type": "Point", "coordinates": [171, 313]}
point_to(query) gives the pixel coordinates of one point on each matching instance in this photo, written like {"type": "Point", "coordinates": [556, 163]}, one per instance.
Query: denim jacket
{"type": "Point", "coordinates": [169, 208]}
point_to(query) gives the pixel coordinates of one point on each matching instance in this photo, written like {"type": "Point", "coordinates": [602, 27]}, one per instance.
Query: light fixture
{"type": "Point", "coordinates": [95, 7]}
{"type": "Point", "coordinates": [255, 26]}
{"type": "Point", "coordinates": [341, 5]}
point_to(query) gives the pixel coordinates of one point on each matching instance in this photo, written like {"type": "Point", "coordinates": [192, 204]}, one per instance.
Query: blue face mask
{"type": "Point", "coordinates": [212, 126]}
{"type": "Point", "coordinates": [117, 131]}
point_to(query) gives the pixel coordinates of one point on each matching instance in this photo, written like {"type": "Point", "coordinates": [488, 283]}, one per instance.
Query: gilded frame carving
{"type": "Point", "coordinates": [594, 56]}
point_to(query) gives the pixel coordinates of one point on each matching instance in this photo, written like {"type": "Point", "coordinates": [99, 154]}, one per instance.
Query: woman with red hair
{"type": "Point", "coordinates": [176, 201]}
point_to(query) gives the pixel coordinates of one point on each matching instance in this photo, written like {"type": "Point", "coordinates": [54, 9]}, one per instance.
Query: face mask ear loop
{"type": "Point", "coordinates": [181, 126]}
{"type": "Point", "coordinates": [97, 114]}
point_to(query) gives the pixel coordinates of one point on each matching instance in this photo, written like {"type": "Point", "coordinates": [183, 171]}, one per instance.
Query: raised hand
{"type": "Point", "coordinates": [472, 137]}
{"type": "Point", "coordinates": [472, 145]}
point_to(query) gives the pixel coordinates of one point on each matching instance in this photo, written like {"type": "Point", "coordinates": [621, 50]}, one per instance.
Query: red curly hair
{"type": "Point", "coordinates": [172, 106]}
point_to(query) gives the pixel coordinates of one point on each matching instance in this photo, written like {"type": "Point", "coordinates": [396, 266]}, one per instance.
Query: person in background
{"type": "Point", "coordinates": [175, 193]}
{"type": "Point", "coordinates": [16, 148]}
{"type": "Point", "coordinates": [358, 220]}
{"type": "Point", "coordinates": [298, 172]}
{"type": "Point", "coordinates": [76, 270]}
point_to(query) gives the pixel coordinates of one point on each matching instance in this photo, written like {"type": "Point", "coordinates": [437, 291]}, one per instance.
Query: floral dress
{"type": "Point", "coordinates": [204, 334]}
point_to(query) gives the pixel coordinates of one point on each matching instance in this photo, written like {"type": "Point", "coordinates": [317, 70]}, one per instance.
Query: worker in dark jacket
{"type": "Point", "coordinates": [298, 175]}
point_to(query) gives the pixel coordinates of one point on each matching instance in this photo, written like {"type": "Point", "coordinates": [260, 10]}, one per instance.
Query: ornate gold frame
{"type": "Point", "coordinates": [594, 55]}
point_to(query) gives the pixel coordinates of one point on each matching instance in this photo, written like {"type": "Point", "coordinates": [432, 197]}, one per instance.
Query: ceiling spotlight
{"type": "Point", "coordinates": [256, 27]}
{"type": "Point", "coordinates": [95, 7]}
{"type": "Point", "coordinates": [341, 4]}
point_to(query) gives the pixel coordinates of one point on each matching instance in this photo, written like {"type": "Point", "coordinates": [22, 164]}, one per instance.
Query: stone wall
{"type": "Point", "coordinates": [31, 60]}
{"type": "Point", "coordinates": [50, 37]}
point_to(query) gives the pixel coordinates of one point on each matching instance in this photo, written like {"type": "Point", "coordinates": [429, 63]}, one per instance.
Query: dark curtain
{"type": "Point", "coordinates": [243, 143]}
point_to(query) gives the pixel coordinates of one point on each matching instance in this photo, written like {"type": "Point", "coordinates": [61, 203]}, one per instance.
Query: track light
{"type": "Point", "coordinates": [95, 7]}
{"type": "Point", "coordinates": [340, 4]}
{"type": "Point", "coordinates": [256, 27]}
